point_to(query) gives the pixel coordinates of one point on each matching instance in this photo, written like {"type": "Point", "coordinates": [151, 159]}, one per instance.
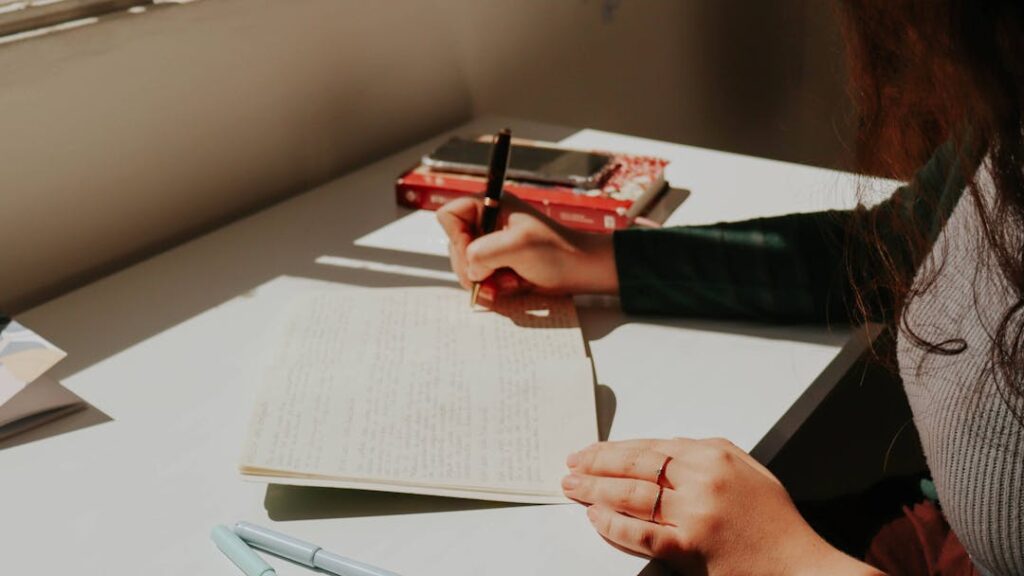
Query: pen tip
{"type": "Point", "coordinates": [472, 298]}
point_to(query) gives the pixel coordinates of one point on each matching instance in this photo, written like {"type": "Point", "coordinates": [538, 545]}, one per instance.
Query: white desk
{"type": "Point", "coordinates": [165, 349]}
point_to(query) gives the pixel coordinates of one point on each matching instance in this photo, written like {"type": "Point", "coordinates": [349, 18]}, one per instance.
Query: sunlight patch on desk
{"type": "Point", "coordinates": [417, 232]}
{"type": "Point", "coordinates": [735, 384]}
{"type": "Point", "coordinates": [387, 268]}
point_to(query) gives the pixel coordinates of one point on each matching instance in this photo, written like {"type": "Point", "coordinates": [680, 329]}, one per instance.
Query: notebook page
{"type": "Point", "coordinates": [408, 389]}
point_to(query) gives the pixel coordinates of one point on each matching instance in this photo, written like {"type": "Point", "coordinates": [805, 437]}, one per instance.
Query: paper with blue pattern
{"type": "Point", "coordinates": [24, 356]}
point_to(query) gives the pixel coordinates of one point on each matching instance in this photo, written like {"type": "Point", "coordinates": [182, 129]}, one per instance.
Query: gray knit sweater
{"type": "Point", "coordinates": [973, 442]}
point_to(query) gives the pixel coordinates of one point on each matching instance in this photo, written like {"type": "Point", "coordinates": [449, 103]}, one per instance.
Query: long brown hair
{"type": "Point", "coordinates": [928, 72]}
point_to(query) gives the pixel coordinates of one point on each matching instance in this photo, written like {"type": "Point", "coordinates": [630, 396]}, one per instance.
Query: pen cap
{"type": "Point", "coordinates": [239, 552]}
{"type": "Point", "coordinates": [276, 543]}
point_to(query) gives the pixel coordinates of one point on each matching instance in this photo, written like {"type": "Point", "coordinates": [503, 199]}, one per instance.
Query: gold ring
{"type": "Point", "coordinates": [661, 471]}
{"type": "Point", "coordinates": [657, 502]}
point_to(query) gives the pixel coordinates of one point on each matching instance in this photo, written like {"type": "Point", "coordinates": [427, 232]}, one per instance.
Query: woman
{"type": "Point", "coordinates": [942, 260]}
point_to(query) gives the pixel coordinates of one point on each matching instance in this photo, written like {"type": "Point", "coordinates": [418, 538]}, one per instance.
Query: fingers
{"type": "Point", "coordinates": [666, 447]}
{"type": "Point", "coordinates": [462, 215]}
{"type": "Point", "coordinates": [531, 246]}
{"type": "Point", "coordinates": [637, 462]}
{"type": "Point", "coordinates": [458, 218]}
{"type": "Point", "coordinates": [717, 492]}
{"type": "Point", "coordinates": [674, 447]}
{"type": "Point", "coordinates": [495, 250]}
{"type": "Point", "coordinates": [636, 536]}
{"type": "Point", "coordinates": [635, 458]}
{"type": "Point", "coordinates": [636, 498]}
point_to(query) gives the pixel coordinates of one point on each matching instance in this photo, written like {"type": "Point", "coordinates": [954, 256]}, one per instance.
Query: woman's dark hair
{"type": "Point", "coordinates": [928, 72]}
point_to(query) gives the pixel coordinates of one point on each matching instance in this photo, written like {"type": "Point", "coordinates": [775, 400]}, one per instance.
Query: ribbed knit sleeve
{"type": "Point", "coordinates": [777, 269]}
{"type": "Point", "coordinates": [792, 268]}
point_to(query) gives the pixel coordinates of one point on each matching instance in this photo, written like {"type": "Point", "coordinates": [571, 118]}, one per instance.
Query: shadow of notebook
{"type": "Point", "coordinates": [42, 401]}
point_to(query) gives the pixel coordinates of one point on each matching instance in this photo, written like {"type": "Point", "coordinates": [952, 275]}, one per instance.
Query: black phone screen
{"type": "Point", "coordinates": [527, 162]}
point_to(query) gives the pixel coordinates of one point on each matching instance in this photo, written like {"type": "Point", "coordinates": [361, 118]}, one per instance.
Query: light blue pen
{"type": "Point", "coordinates": [303, 552]}
{"type": "Point", "coordinates": [240, 553]}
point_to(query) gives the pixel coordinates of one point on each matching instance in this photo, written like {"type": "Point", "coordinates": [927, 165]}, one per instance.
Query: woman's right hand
{"type": "Point", "coordinates": [528, 252]}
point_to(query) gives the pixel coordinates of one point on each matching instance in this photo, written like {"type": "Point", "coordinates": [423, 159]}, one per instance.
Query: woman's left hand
{"type": "Point", "coordinates": [698, 505]}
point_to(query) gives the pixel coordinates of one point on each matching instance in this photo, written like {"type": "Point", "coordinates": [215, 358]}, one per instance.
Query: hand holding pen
{"type": "Point", "coordinates": [500, 153]}
{"type": "Point", "coordinates": [530, 252]}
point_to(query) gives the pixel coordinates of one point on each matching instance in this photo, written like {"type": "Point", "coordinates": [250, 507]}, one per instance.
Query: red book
{"type": "Point", "coordinates": [629, 189]}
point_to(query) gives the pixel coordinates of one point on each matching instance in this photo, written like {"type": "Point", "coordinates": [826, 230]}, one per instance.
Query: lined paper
{"type": "Point", "coordinates": [410, 390]}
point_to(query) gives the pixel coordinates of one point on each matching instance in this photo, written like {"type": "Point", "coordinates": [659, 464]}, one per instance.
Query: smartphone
{"type": "Point", "coordinates": [537, 163]}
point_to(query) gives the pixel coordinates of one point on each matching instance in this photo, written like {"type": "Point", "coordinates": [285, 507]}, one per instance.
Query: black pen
{"type": "Point", "coordinates": [500, 152]}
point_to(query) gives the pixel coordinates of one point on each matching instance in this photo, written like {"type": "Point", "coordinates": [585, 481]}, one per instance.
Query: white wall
{"type": "Point", "coordinates": [125, 137]}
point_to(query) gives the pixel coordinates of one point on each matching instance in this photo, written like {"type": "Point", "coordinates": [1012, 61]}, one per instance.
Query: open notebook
{"type": "Point", "coordinates": [409, 390]}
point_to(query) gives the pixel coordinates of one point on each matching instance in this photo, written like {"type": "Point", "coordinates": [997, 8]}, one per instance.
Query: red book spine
{"type": "Point", "coordinates": [425, 196]}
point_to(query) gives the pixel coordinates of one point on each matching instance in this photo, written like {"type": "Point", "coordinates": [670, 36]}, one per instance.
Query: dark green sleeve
{"type": "Point", "coordinates": [792, 268]}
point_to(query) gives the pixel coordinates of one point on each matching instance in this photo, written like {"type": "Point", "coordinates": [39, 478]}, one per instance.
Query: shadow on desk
{"type": "Point", "coordinates": [310, 503]}
{"type": "Point", "coordinates": [87, 416]}
{"type": "Point", "coordinates": [859, 432]}
{"type": "Point", "coordinates": [606, 403]}
{"type": "Point", "coordinates": [655, 569]}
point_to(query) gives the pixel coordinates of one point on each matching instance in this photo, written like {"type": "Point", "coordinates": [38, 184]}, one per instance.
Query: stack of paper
{"type": "Point", "coordinates": [27, 397]}
{"type": "Point", "coordinates": [410, 390]}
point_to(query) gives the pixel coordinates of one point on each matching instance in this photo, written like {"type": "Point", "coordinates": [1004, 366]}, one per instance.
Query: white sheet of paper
{"type": "Point", "coordinates": [409, 390]}
{"type": "Point", "coordinates": [24, 357]}
{"type": "Point", "coordinates": [417, 232]}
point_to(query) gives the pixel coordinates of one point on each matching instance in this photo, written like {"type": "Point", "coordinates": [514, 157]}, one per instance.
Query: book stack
{"type": "Point", "coordinates": [28, 397]}
{"type": "Point", "coordinates": [629, 189]}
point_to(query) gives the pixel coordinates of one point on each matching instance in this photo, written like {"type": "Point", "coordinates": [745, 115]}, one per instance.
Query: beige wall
{"type": "Point", "coordinates": [121, 138]}
{"type": "Point", "coordinates": [125, 137]}
{"type": "Point", "coordinates": [749, 76]}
